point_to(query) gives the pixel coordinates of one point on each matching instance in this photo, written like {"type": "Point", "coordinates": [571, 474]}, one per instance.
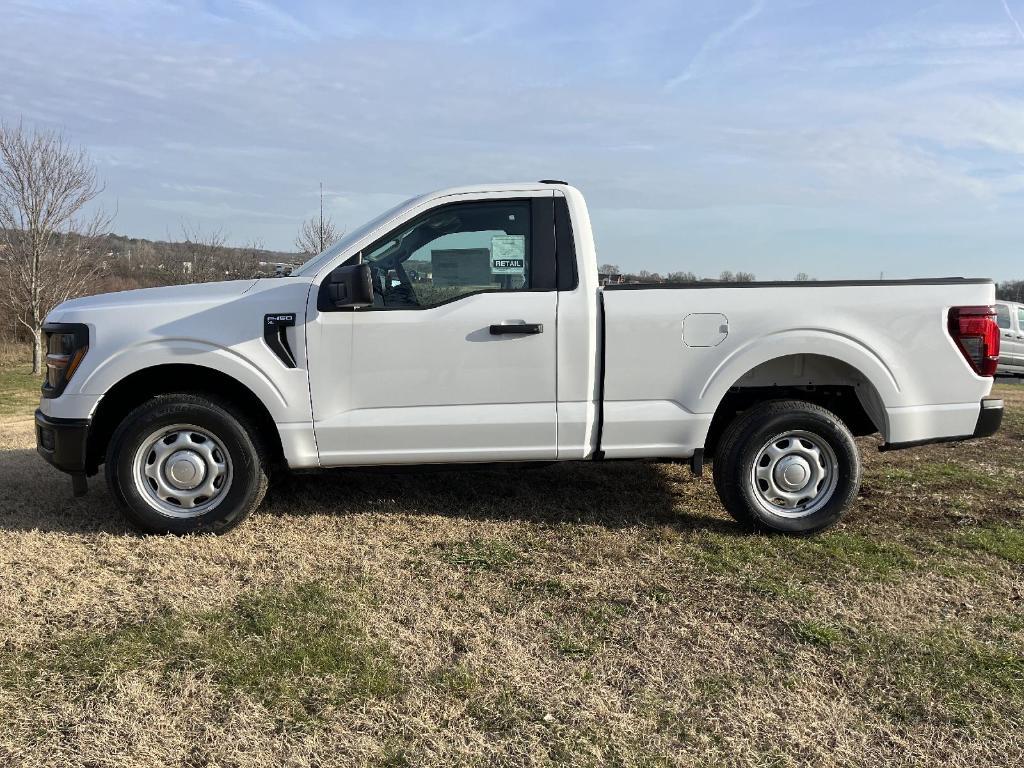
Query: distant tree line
{"type": "Point", "coordinates": [74, 265]}
{"type": "Point", "coordinates": [55, 242]}
{"type": "Point", "coordinates": [610, 273]}
{"type": "Point", "coordinates": [1010, 290]}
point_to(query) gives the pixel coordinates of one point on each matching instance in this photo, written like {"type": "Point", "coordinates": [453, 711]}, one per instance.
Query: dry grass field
{"type": "Point", "coordinates": [573, 615]}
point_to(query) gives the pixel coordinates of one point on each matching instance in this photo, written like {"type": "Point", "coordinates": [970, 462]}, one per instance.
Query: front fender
{"type": "Point", "coordinates": [286, 395]}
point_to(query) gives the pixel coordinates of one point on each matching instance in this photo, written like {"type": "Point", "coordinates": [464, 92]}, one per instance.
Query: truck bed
{"type": "Point", "coordinates": [672, 352]}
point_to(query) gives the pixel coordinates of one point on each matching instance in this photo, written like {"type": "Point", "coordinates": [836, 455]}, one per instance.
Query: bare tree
{"type": "Point", "coordinates": [728, 276]}
{"type": "Point", "coordinates": [608, 269]}
{"type": "Point", "coordinates": [648, 277]}
{"type": "Point", "coordinates": [249, 257]}
{"type": "Point", "coordinates": [317, 233]}
{"type": "Point", "coordinates": [45, 185]}
{"type": "Point", "coordinates": [1010, 290]}
{"type": "Point", "coordinates": [203, 249]}
{"type": "Point", "coordinates": [681, 277]}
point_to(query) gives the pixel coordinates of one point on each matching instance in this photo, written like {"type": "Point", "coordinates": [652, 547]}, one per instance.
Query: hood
{"type": "Point", "coordinates": [176, 295]}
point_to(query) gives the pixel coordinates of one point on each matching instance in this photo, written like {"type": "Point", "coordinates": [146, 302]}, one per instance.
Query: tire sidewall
{"type": "Point", "coordinates": [241, 497]}
{"type": "Point", "coordinates": [847, 460]}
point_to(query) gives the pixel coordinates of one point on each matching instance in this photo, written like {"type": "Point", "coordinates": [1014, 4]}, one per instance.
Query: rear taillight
{"type": "Point", "coordinates": [976, 333]}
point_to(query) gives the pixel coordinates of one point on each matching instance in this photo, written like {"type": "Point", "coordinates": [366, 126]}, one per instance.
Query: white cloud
{"type": "Point", "coordinates": [277, 17]}
{"type": "Point", "coordinates": [1013, 19]}
{"type": "Point", "coordinates": [713, 42]}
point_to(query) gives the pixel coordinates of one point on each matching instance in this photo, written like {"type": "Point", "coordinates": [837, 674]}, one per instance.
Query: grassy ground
{"type": "Point", "coordinates": [574, 615]}
{"type": "Point", "coordinates": [19, 389]}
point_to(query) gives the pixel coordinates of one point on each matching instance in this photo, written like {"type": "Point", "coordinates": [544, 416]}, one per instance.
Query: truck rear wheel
{"type": "Point", "coordinates": [788, 466]}
{"type": "Point", "coordinates": [182, 464]}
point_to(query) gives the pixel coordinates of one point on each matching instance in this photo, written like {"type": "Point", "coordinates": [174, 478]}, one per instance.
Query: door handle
{"type": "Point", "coordinates": [524, 328]}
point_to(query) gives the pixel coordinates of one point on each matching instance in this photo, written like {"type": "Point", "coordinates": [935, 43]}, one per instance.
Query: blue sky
{"type": "Point", "coordinates": [842, 139]}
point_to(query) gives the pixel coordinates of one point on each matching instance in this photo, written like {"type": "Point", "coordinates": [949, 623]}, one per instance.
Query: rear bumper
{"type": "Point", "coordinates": [990, 417]}
{"type": "Point", "coordinates": [62, 442]}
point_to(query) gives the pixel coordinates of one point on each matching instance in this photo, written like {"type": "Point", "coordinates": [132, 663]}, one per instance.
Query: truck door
{"type": "Point", "coordinates": [1008, 334]}
{"type": "Point", "coordinates": [1018, 352]}
{"type": "Point", "coordinates": [456, 359]}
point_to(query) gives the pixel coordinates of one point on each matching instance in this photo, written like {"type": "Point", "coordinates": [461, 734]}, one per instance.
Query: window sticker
{"type": "Point", "coordinates": [508, 255]}
{"type": "Point", "coordinates": [460, 266]}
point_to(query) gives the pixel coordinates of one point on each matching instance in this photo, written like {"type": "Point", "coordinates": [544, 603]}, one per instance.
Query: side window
{"type": "Point", "coordinates": [1003, 315]}
{"type": "Point", "coordinates": [1020, 318]}
{"type": "Point", "coordinates": [453, 251]}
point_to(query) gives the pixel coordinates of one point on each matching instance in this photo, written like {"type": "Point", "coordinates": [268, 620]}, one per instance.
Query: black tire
{"type": "Point", "coordinates": [747, 439]}
{"type": "Point", "coordinates": [245, 480]}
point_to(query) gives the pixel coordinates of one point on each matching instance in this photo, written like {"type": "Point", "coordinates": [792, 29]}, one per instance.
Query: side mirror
{"type": "Point", "coordinates": [349, 285]}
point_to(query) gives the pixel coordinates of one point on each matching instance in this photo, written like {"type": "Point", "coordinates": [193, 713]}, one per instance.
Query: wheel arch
{"type": "Point", "coordinates": [809, 342]}
{"type": "Point", "coordinates": [139, 386]}
{"type": "Point", "coordinates": [827, 380]}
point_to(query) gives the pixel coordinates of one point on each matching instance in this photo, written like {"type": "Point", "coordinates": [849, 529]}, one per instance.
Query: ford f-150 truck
{"type": "Point", "coordinates": [468, 326]}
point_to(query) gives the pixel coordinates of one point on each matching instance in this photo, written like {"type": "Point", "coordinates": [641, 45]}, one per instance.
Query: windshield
{"type": "Point", "coordinates": [314, 264]}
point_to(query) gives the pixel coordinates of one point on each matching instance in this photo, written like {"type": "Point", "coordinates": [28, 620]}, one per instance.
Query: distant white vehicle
{"type": "Point", "coordinates": [1010, 318]}
{"type": "Point", "coordinates": [510, 352]}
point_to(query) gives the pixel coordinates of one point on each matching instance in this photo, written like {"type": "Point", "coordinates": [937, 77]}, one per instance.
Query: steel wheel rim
{"type": "Point", "coordinates": [182, 470]}
{"type": "Point", "coordinates": [794, 474]}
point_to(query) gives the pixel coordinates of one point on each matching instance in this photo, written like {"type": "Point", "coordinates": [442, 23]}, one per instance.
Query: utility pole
{"type": "Point", "coordinates": [320, 234]}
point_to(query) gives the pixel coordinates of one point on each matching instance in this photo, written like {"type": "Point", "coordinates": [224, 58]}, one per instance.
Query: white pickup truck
{"type": "Point", "coordinates": [468, 326]}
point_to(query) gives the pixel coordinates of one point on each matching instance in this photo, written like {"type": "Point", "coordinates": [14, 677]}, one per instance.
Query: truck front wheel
{"type": "Point", "coordinates": [788, 466]}
{"type": "Point", "coordinates": [182, 464]}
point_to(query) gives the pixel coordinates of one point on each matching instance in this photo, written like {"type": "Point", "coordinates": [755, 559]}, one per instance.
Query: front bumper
{"type": "Point", "coordinates": [63, 442]}
{"type": "Point", "coordinates": [990, 417]}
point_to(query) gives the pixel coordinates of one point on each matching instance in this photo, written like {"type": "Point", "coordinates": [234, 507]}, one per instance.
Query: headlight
{"type": "Point", "coordinates": [66, 345]}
